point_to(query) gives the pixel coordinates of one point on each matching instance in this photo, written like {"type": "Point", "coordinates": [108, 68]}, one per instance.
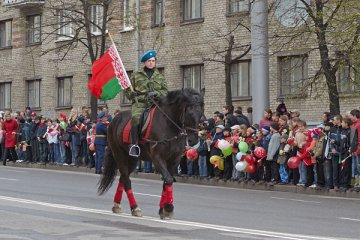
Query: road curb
{"type": "Point", "coordinates": [204, 181]}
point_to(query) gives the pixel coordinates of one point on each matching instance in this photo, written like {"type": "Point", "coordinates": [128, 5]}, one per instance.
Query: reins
{"type": "Point", "coordinates": [182, 129]}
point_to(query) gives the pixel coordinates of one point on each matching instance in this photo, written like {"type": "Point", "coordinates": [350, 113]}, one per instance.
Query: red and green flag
{"type": "Point", "coordinates": [109, 76]}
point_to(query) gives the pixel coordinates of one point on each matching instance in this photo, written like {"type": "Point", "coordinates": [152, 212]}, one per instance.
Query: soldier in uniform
{"type": "Point", "coordinates": [147, 83]}
{"type": "Point", "coordinates": [100, 141]}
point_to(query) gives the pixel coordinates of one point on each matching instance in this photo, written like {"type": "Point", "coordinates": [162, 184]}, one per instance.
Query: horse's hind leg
{"type": "Point", "coordinates": [135, 210]}
{"type": "Point", "coordinates": [118, 196]}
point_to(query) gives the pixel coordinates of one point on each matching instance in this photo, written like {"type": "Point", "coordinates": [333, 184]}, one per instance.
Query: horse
{"type": "Point", "coordinates": [174, 127]}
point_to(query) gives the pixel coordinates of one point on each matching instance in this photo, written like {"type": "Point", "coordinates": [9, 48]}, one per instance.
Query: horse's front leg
{"type": "Point", "coordinates": [166, 210]}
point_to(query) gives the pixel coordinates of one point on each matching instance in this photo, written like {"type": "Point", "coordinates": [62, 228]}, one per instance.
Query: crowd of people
{"type": "Point", "coordinates": [328, 154]}
{"type": "Point", "coordinates": [65, 140]}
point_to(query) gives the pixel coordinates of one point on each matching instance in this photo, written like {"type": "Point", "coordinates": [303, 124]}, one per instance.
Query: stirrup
{"type": "Point", "coordinates": [134, 150]}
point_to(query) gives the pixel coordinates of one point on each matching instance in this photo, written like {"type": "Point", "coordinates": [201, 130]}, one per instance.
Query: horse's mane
{"type": "Point", "coordinates": [186, 96]}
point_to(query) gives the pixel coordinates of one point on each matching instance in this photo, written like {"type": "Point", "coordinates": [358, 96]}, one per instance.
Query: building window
{"type": "Point", "coordinates": [192, 9]}
{"type": "Point", "coordinates": [34, 29]}
{"type": "Point", "coordinates": [5, 96]}
{"type": "Point", "coordinates": [348, 79]}
{"type": "Point", "coordinates": [33, 87]}
{"type": "Point", "coordinates": [129, 14]}
{"type": "Point", "coordinates": [159, 12]}
{"type": "Point", "coordinates": [64, 91]}
{"type": "Point", "coordinates": [240, 79]}
{"type": "Point", "coordinates": [95, 16]}
{"type": "Point", "coordinates": [65, 25]}
{"type": "Point", "coordinates": [5, 33]}
{"type": "Point", "coordinates": [293, 73]}
{"type": "Point", "coordinates": [193, 77]}
{"type": "Point", "coordinates": [238, 6]}
{"type": "Point", "coordinates": [123, 99]}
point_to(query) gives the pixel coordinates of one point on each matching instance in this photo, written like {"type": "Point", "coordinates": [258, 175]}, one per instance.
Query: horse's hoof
{"type": "Point", "coordinates": [136, 212]}
{"type": "Point", "coordinates": [167, 212]}
{"type": "Point", "coordinates": [116, 208]}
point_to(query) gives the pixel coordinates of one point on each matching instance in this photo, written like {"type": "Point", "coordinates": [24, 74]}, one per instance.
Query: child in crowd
{"type": "Point", "coordinates": [271, 167]}
{"type": "Point", "coordinates": [282, 159]}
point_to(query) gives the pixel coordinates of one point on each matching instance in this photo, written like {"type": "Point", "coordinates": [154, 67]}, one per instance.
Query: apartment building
{"type": "Point", "coordinates": [190, 37]}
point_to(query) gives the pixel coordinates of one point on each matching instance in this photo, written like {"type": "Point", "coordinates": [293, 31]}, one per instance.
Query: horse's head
{"type": "Point", "coordinates": [193, 113]}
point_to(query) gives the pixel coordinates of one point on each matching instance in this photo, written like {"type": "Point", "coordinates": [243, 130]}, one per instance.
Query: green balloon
{"type": "Point", "coordinates": [63, 125]}
{"type": "Point", "coordinates": [227, 152]}
{"type": "Point", "coordinates": [243, 147]}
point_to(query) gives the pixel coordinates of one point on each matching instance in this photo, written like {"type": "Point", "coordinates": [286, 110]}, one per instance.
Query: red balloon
{"type": "Point", "coordinates": [250, 168]}
{"type": "Point", "coordinates": [250, 159]}
{"type": "Point", "coordinates": [192, 154]}
{"type": "Point", "coordinates": [260, 152]}
{"type": "Point", "coordinates": [293, 162]}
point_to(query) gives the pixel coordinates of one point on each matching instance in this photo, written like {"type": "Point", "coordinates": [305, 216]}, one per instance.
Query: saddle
{"type": "Point", "coordinates": [145, 125]}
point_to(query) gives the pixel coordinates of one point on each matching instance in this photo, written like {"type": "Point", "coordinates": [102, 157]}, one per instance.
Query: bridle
{"type": "Point", "coordinates": [183, 130]}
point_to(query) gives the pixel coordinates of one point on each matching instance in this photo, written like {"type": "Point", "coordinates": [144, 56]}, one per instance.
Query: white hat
{"type": "Point", "coordinates": [235, 127]}
{"type": "Point", "coordinates": [220, 126]}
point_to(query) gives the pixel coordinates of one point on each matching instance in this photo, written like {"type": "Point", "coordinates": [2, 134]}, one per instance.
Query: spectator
{"type": "Point", "coordinates": [249, 111]}
{"type": "Point", "coordinates": [335, 149]}
{"type": "Point", "coordinates": [241, 118]}
{"type": "Point", "coordinates": [230, 119]}
{"type": "Point", "coordinates": [43, 143]}
{"type": "Point", "coordinates": [10, 128]}
{"type": "Point", "coordinates": [271, 168]}
{"type": "Point", "coordinates": [345, 173]}
{"type": "Point", "coordinates": [266, 121]}
{"type": "Point", "coordinates": [355, 145]}
{"type": "Point", "coordinates": [282, 159]}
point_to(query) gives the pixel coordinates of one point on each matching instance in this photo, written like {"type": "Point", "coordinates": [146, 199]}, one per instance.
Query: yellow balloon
{"type": "Point", "coordinates": [221, 164]}
{"type": "Point", "coordinates": [214, 158]}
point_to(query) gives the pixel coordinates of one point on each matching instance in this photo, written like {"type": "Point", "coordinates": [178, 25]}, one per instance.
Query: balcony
{"type": "Point", "coordinates": [22, 3]}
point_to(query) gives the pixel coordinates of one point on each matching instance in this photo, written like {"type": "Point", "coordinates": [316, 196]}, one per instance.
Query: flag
{"type": "Point", "coordinates": [109, 76]}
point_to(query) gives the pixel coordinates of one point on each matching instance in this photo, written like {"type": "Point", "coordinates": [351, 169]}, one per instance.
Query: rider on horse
{"type": "Point", "coordinates": [147, 83]}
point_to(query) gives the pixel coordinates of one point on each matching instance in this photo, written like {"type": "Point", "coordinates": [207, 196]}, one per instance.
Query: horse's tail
{"type": "Point", "coordinates": [109, 172]}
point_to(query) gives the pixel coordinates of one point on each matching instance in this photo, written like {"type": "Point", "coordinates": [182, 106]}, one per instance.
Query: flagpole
{"type": "Point", "coordinates": [131, 87]}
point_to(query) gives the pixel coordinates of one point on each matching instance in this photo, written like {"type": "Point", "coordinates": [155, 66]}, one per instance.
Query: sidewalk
{"type": "Point", "coordinates": [205, 181]}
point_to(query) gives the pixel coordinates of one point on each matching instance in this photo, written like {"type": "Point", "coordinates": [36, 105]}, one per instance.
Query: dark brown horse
{"type": "Point", "coordinates": [174, 126]}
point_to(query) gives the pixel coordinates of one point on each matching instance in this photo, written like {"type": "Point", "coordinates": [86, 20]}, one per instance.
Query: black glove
{"type": "Point", "coordinates": [133, 94]}
{"type": "Point", "coordinates": [151, 94]}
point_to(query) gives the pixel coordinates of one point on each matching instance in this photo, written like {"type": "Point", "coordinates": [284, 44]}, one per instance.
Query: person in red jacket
{"type": "Point", "coordinates": [10, 127]}
{"type": "Point", "coordinates": [355, 146]}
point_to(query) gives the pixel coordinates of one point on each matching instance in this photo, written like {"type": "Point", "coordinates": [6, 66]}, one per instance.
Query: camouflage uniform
{"type": "Point", "coordinates": [142, 85]}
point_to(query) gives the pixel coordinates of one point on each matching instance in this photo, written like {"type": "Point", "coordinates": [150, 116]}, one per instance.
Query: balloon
{"type": "Point", "coordinates": [214, 159]}
{"type": "Point", "coordinates": [250, 168]}
{"type": "Point", "coordinates": [227, 152]}
{"type": "Point", "coordinates": [241, 166]}
{"type": "Point", "coordinates": [240, 156]}
{"type": "Point", "coordinates": [92, 147]}
{"type": "Point", "coordinates": [243, 147]}
{"type": "Point", "coordinates": [221, 164]}
{"type": "Point", "coordinates": [293, 162]}
{"type": "Point", "coordinates": [63, 125]}
{"type": "Point", "coordinates": [260, 152]}
{"type": "Point", "coordinates": [192, 154]}
{"type": "Point", "coordinates": [223, 144]}
{"type": "Point", "coordinates": [250, 159]}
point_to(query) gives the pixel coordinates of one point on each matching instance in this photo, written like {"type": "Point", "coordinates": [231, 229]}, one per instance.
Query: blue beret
{"type": "Point", "coordinates": [266, 128]}
{"type": "Point", "coordinates": [149, 54]}
{"type": "Point", "coordinates": [101, 115]}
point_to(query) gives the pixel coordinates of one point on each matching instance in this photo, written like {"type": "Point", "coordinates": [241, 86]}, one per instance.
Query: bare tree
{"type": "Point", "coordinates": [233, 52]}
{"type": "Point", "coordinates": [78, 24]}
{"type": "Point", "coordinates": [330, 29]}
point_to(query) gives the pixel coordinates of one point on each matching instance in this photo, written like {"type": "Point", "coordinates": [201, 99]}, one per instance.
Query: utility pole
{"type": "Point", "coordinates": [259, 58]}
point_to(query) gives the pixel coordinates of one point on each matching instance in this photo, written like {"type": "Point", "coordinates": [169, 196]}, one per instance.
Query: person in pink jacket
{"type": "Point", "coordinates": [10, 128]}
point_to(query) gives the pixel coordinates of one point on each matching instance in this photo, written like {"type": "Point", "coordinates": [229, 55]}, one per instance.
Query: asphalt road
{"type": "Point", "coordinates": [46, 204]}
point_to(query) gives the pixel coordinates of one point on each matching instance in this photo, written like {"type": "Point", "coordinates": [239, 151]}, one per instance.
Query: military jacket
{"type": "Point", "coordinates": [142, 84]}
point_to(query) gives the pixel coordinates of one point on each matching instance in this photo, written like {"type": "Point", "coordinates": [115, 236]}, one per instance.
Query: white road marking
{"type": "Point", "coordinates": [331, 197]}
{"type": "Point", "coordinates": [295, 200]}
{"type": "Point", "coordinates": [220, 228]}
{"type": "Point", "coordinates": [10, 170]}
{"type": "Point", "coordinates": [9, 179]}
{"type": "Point", "coordinates": [350, 219]}
{"type": "Point", "coordinates": [145, 194]}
